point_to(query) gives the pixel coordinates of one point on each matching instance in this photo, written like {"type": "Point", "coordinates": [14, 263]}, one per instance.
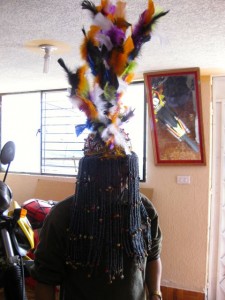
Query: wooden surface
{"type": "Point", "coordinates": [54, 189]}
{"type": "Point", "coordinates": [177, 294]}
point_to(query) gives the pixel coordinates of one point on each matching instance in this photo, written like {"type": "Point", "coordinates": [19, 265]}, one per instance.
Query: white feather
{"type": "Point", "coordinates": [105, 40]}
{"type": "Point", "coordinates": [114, 129]}
{"type": "Point", "coordinates": [122, 85]}
{"type": "Point", "coordinates": [76, 101]}
{"type": "Point", "coordinates": [98, 102]}
{"type": "Point", "coordinates": [102, 22]}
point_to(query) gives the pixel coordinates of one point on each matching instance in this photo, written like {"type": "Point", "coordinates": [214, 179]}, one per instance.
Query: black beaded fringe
{"type": "Point", "coordinates": [107, 216]}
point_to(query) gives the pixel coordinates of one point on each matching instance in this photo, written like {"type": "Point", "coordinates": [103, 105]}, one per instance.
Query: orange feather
{"type": "Point", "coordinates": [83, 83]}
{"type": "Point", "coordinates": [128, 45]}
{"type": "Point", "coordinates": [89, 108]}
{"type": "Point", "coordinates": [149, 12]}
{"type": "Point", "coordinates": [129, 77]}
{"type": "Point", "coordinates": [89, 37]}
{"type": "Point", "coordinates": [103, 6]}
{"type": "Point", "coordinates": [120, 9]}
{"type": "Point", "coordinates": [119, 59]}
{"type": "Point", "coordinates": [114, 117]}
{"type": "Point", "coordinates": [120, 16]}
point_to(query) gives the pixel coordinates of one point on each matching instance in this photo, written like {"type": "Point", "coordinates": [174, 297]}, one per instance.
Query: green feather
{"type": "Point", "coordinates": [109, 92]}
{"type": "Point", "coordinates": [130, 68]}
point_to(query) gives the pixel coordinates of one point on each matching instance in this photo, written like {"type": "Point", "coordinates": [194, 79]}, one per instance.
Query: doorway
{"type": "Point", "coordinates": [216, 277]}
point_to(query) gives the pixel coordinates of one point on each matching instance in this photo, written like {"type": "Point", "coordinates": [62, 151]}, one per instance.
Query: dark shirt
{"type": "Point", "coordinates": [50, 267]}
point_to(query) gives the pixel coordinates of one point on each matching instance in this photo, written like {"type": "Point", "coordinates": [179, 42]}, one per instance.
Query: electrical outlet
{"type": "Point", "coordinates": [183, 179]}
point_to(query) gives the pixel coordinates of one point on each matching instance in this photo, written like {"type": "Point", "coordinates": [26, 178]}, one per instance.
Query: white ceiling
{"type": "Point", "coordinates": [191, 35]}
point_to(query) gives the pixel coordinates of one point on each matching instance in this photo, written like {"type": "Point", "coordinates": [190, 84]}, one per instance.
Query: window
{"type": "Point", "coordinates": [20, 122]}
{"type": "Point", "coordinates": [61, 148]}
{"type": "Point", "coordinates": [42, 126]}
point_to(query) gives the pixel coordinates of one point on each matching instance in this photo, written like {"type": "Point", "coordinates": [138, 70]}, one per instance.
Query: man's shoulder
{"type": "Point", "coordinates": [64, 204]}
{"type": "Point", "coordinates": [62, 209]}
{"type": "Point", "coordinates": [149, 206]}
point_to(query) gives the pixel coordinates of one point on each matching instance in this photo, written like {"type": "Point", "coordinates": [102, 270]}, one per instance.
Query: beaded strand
{"type": "Point", "coordinates": [106, 217]}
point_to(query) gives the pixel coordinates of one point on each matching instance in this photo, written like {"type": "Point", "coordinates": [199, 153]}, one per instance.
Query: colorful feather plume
{"type": "Point", "coordinates": [109, 49]}
{"type": "Point", "coordinates": [89, 6]}
{"type": "Point", "coordinates": [142, 30]}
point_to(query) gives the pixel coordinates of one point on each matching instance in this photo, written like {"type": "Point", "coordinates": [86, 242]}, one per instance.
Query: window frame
{"type": "Point", "coordinates": [41, 92]}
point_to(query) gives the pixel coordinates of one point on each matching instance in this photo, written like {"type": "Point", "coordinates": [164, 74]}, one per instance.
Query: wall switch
{"type": "Point", "coordinates": [183, 179]}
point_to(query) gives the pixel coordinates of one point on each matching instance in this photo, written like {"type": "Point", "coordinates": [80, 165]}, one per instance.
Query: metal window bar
{"type": "Point", "coordinates": [61, 148]}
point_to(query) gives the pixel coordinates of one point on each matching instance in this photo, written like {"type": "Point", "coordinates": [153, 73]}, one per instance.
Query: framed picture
{"type": "Point", "coordinates": [174, 99]}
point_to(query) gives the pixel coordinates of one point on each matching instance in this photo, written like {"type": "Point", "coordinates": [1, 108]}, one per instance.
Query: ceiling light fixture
{"type": "Point", "coordinates": [48, 49]}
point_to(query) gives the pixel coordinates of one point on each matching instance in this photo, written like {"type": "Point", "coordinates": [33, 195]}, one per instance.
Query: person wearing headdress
{"type": "Point", "coordinates": [104, 242]}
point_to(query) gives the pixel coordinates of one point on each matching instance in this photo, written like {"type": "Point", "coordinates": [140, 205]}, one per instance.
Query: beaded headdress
{"type": "Point", "coordinates": [107, 215]}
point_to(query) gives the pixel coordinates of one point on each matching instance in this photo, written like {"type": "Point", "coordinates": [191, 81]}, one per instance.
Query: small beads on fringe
{"type": "Point", "coordinates": [106, 220]}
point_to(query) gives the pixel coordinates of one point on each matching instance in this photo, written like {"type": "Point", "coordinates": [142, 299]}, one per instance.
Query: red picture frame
{"type": "Point", "coordinates": [175, 111]}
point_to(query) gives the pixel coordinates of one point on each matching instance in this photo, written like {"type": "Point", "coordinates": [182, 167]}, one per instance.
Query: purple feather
{"type": "Point", "coordinates": [116, 35]}
{"type": "Point", "coordinates": [111, 9]}
{"type": "Point", "coordinates": [137, 34]}
{"type": "Point", "coordinates": [142, 32]}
